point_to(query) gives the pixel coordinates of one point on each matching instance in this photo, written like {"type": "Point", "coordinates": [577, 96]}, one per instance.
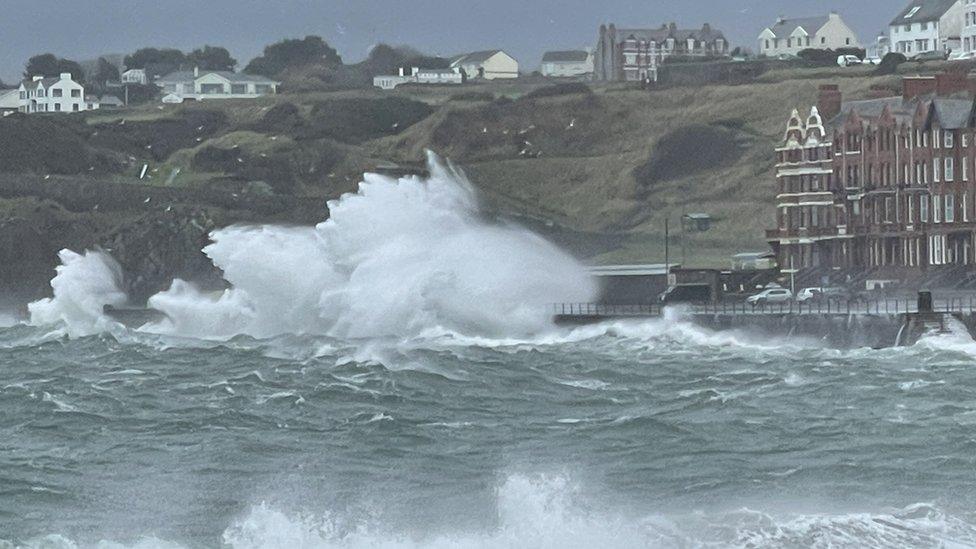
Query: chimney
{"type": "Point", "coordinates": [196, 72]}
{"type": "Point", "coordinates": [65, 76]}
{"type": "Point", "coordinates": [829, 101]}
{"type": "Point", "coordinates": [780, 20]}
{"type": "Point", "coordinates": [403, 71]}
{"type": "Point", "coordinates": [916, 86]}
{"type": "Point", "coordinates": [36, 78]}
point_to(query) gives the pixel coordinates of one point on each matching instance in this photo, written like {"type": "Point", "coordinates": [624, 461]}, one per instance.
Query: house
{"type": "Point", "coordinates": [791, 36]}
{"type": "Point", "coordinates": [200, 85]}
{"type": "Point", "coordinates": [110, 102]}
{"type": "Point", "coordinates": [417, 75]}
{"type": "Point", "coordinates": [135, 76]}
{"type": "Point", "coordinates": [633, 54]}
{"type": "Point", "coordinates": [968, 34]}
{"type": "Point", "coordinates": [489, 65]}
{"type": "Point", "coordinates": [567, 64]}
{"type": "Point", "coordinates": [927, 26]}
{"type": "Point", "coordinates": [696, 222]}
{"type": "Point", "coordinates": [884, 186]}
{"type": "Point", "coordinates": [61, 94]}
{"type": "Point", "coordinates": [9, 101]}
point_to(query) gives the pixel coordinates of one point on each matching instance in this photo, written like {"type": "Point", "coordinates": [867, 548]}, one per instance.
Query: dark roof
{"type": "Point", "coordinates": [785, 27]}
{"type": "Point", "coordinates": [662, 33]}
{"type": "Point", "coordinates": [31, 84]}
{"type": "Point", "coordinates": [574, 56]}
{"type": "Point", "coordinates": [951, 113]}
{"type": "Point", "coordinates": [928, 10]}
{"type": "Point", "coordinates": [178, 76]}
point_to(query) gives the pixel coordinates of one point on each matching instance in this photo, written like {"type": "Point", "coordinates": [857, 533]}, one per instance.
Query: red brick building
{"type": "Point", "coordinates": [885, 185]}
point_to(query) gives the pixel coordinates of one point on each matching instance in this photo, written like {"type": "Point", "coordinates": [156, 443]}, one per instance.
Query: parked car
{"type": "Point", "coordinates": [820, 294]}
{"type": "Point", "coordinates": [872, 60]}
{"type": "Point", "coordinates": [772, 295]}
{"type": "Point", "coordinates": [848, 60]}
{"type": "Point", "coordinates": [931, 56]}
{"type": "Point", "coordinates": [962, 55]}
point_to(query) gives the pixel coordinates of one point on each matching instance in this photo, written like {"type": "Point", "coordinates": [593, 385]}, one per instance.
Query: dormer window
{"type": "Point", "coordinates": [912, 13]}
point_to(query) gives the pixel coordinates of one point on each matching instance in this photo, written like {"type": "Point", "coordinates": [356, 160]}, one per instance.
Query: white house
{"type": "Point", "coordinates": [791, 36]}
{"type": "Point", "coordinates": [489, 65]}
{"type": "Point", "coordinates": [60, 94]}
{"type": "Point", "coordinates": [135, 76]}
{"type": "Point", "coordinates": [202, 85]}
{"type": "Point", "coordinates": [968, 34]}
{"type": "Point", "coordinates": [927, 26]}
{"type": "Point", "coordinates": [416, 75]}
{"type": "Point", "coordinates": [563, 64]}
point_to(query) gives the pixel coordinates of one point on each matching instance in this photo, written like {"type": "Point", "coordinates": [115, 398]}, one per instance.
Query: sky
{"type": "Point", "coordinates": [85, 29]}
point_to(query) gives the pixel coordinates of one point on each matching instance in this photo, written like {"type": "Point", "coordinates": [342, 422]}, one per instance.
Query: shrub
{"type": "Point", "coordinates": [889, 65]}
{"type": "Point", "coordinates": [355, 120]}
{"type": "Point", "coordinates": [473, 96]}
{"type": "Point", "coordinates": [568, 88]}
{"type": "Point", "coordinates": [686, 151]}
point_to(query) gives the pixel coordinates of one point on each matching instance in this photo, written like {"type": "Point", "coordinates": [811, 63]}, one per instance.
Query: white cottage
{"type": "Point", "coordinates": [489, 65]}
{"type": "Point", "coordinates": [201, 85]}
{"type": "Point", "coordinates": [791, 36]}
{"type": "Point", "coordinates": [60, 94]}
{"type": "Point", "coordinates": [565, 64]}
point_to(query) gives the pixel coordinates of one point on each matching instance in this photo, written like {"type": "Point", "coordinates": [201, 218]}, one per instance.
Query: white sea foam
{"type": "Point", "coordinates": [399, 258]}
{"type": "Point", "coordinates": [84, 284]}
{"type": "Point", "coordinates": [552, 511]}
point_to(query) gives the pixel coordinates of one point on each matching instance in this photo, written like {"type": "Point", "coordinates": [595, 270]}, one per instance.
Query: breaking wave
{"type": "Point", "coordinates": [398, 258]}
{"type": "Point", "coordinates": [551, 511]}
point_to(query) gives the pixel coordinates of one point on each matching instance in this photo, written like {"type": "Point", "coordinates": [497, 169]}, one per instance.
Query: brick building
{"type": "Point", "coordinates": [883, 185]}
{"type": "Point", "coordinates": [634, 54]}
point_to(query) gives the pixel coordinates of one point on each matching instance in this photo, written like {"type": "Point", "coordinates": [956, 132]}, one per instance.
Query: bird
{"type": "Point", "coordinates": [199, 128]}
{"type": "Point", "coordinates": [146, 201]}
{"type": "Point", "coordinates": [485, 130]}
{"type": "Point", "coordinates": [572, 124]}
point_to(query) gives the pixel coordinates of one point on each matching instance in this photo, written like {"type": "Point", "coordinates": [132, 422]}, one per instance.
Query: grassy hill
{"type": "Point", "coordinates": [597, 169]}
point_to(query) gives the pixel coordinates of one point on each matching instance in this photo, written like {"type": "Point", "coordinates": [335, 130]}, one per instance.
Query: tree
{"type": "Point", "coordinates": [156, 62]}
{"type": "Point", "coordinates": [49, 65]}
{"type": "Point", "coordinates": [105, 72]}
{"type": "Point", "coordinates": [293, 53]}
{"type": "Point", "coordinates": [139, 94]}
{"type": "Point", "coordinates": [212, 59]}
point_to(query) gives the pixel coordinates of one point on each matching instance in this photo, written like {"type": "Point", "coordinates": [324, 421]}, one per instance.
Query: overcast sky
{"type": "Point", "coordinates": [85, 29]}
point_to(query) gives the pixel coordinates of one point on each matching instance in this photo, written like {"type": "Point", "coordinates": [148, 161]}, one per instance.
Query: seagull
{"type": "Point", "coordinates": [122, 123]}
{"type": "Point", "coordinates": [199, 140]}
{"type": "Point", "coordinates": [146, 201]}
{"type": "Point", "coordinates": [169, 208]}
{"type": "Point", "coordinates": [240, 160]}
{"type": "Point", "coordinates": [199, 128]}
{"type": "Point", "coordinates": [397, 125]}
{"type": "Point", "coordinates": [47, 176]}
{"type": "Point", "coordinates": [572, 124]}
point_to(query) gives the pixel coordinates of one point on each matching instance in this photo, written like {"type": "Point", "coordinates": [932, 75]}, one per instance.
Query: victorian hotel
{"type": "Point", "coordinates": [882, 184]}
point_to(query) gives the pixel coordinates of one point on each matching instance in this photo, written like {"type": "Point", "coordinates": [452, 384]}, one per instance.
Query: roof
{"type": "Point", "coordinates": [754, 255]}
{"type": "Point", "coordinates": [632, 270]}
{"type": "Point", "coordinates": [475, 57]}
{"type": "Point", "coordinates": [927, 10]}
{"type": "Point", "coordinates": [951, 113]}
{"type": "Point", "coordinates": [662, 33]}
{"type": "Point", "coordinates": [698, 216]}
{"type": "Point", "coordinates": [110, 100]}
{"type": "Point", "coordinates": [32, 84]}
{"type": "Point", "coordinates": [573, 56]}
{"type": "Point", "coordinates": [189, 76]}
{"type": "Point", "coordinates": [810, 25]}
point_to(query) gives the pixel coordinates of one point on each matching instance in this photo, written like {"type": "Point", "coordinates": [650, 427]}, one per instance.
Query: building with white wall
{"type": "Point", "coordinates": [489, 65]}
{"type": "Point", "coordinates": [417, 75]}
{"type": "Point", "coordinates": [567, 64]}
{"type": "Point", "coordinates": [791, 36]}
{"type": "Point", "coordinates": [61, 94]}
{"type": "Point", "coordinates": [135, 76]}
{"type": "Point", "coordinates": [968, 34]}
{"type": "Point", "coordinates": [200, 85]}
{"type": "Point", "coordinates": [927, 26]}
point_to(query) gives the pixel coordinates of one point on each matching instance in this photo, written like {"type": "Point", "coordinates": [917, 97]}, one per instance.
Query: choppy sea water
{"type": "Point", "coordinates": [650, 434]}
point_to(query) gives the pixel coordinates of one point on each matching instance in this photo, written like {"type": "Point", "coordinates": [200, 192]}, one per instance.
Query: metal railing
{"type": "Point", "coordinates": [876, 307]}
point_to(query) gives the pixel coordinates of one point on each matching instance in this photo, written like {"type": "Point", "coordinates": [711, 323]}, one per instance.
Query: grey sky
{"type": "Point", "coordinates": [84, 29]}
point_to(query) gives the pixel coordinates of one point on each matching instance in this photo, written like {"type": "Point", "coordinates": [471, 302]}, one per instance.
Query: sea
{"type": "Point", "coordinates": [390, 378]}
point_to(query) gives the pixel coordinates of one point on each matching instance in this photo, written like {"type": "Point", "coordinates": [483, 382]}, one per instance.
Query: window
{"type": "Point", "coordinates": [823, 39]}
{"type": "Point", "coordinates": [965, 140]}
{"type": "Point", "coordinates": [965, 207]}
{"type": "Point", "coordinates": [923, 208]}
{"type": "Point", "coordinates": [948, 140]}
{"type": "Point", "coordinates": [936, 169]}
{"type": "Point", "coordinates": [75, 107]}
{"type": "Point", "coordinates": [925, 139]}
{"type": "Point", "coordinates": [965, 169]}
{"type": "Point", "coordinates": [935, 139]}
{"type": "Point", "coordinates": [887, 209]}
{"type": "Point", "coordinates": [847, 41]}
{"type": "Point", "coordinates": [950, 208]}
{"type": "Point", "coordinates": [75, 93]}
{"type": "Point", "coordinates": [57, 92]}
{"type": "Point", "coordinates": [950, 168]}
{"type": "Point", "coordinates": [937, 208]}
{"type": "Point", "coordinates": [767, 44]}
{"type": "Point", "coordinates": [911, 210]}
{"type": "Point", "coordinates": [57, 107]}
{"type": "Point", "coordinates": [238, 89]}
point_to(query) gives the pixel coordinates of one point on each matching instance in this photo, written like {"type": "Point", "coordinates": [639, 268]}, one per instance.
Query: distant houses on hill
{"type": "Point", "coordinates": [633, 54]}
{"type": "Point", "coordinates": [791, 36]}
{"type": "Point", "coordinates": [204, 85]}
{"type": "Point", "coordinates": [567, 64]}
{"type": "Point", "coordinates": [925, 26]}
{"type": "Point", "coordinates": [55, 95]}
{"type": "Point", "coordinates": [417, 75]}
{"type": "Point", "coordinates": [489, 65]}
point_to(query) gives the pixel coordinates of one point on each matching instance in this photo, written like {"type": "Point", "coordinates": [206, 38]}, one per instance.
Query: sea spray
{"type": "Point", "coordinates": [84, 284]}
{"type": "Point", "coordinates": [398, 258]}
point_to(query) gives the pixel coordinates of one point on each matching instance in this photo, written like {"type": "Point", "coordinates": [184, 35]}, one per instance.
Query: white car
{"type": "Point", "coordinates": [808, 294]}
{"type": "Point", "coordinates": [848, 60]}
{"type": "Point", "coordinates": [772, 295]}
{"type": "Point", "coordinates": [872, 60]}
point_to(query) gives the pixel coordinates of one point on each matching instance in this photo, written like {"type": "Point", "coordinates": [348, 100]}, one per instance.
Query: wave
{"type": "Point", "coordinates": [396, 259]}
{"type": "Point", "coordinates": [553, 511]}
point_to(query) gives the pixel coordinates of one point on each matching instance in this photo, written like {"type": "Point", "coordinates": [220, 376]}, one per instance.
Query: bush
{"type": "Point", "coordinates": [889, 65]}
{"type": "Point", "coordinates": [160, 138]}
{"type": "Point", "coordinates": [42, 144]}
{"type": "Point", "coordinates": [473, 96]}
{"type": "Point", "coordinates": [356, 120]}
{"type": "Point", "coordinates": [686, 151]}
{"type": "Point", "coordinates": [568, 88]}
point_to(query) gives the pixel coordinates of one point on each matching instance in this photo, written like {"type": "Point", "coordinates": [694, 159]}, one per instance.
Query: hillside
{"type": "Point", "coordinates": [596, 168]}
